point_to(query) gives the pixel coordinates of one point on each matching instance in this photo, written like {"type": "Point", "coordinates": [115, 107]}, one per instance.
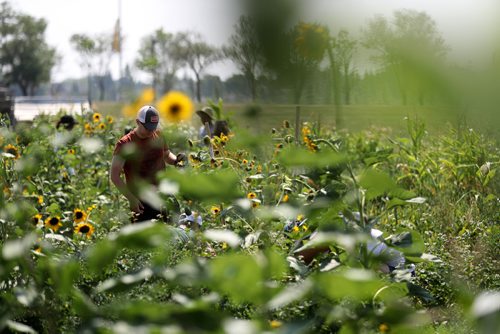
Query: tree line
{"type": "Point", "coordinates": [277, 61]}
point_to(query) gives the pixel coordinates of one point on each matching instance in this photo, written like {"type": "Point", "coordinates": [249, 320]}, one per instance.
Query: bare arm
{"type": "Point", "coordinates": [171, 158]}
{"type": "Point", "coordinates": [115, 175]}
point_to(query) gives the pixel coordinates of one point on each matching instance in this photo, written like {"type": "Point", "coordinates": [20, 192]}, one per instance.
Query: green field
{"type": "Point", "coordinates": [354, 117]}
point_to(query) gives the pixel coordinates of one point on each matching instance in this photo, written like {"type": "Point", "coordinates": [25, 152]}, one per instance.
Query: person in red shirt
{"type": "Point", "coordinates": [140, 155]}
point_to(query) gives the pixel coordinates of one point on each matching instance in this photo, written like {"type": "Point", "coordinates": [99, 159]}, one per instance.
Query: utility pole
{"type": "Point", "coordinates": [120, 48]}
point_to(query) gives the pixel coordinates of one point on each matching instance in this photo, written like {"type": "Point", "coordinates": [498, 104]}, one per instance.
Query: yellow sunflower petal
{"type": "Point", "coordinates": [175, 107]}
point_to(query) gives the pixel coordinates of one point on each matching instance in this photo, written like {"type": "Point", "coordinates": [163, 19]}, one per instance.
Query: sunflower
{"type": "Point", "coordinates": [36, 219]}
{"type": "Point", "coordinates": [102, 126]}
{"type": "Point", "coordinates": [79, 216]}
{"type": "Point", "coordinates": [215, 210]}
{"type": "Point", "coordinates": [244, 161]}
{"type": "Point", "coordinates": [275, 324]}
{"type": "Point", "coordinates": [11, 149]}
{"type": "Point", "coordinates": [255, 204]}
{"type": "Point", "coordinates": [285, 198]}
{"type": "Point", "coordinates": [251, 195]}
{"type": "Point", "coordinates": [175, 106]}
{"type": "Point", "coordinates": [109, 119]}
{"type": "Point", "coordinates": [54, 223]}
{"type": "Point", "coordinates": [84, 228]}
{"type": "Point", "coordinates": [311, 40]}
{"type": "Point", "coordinates": [96, 117]}
{"type": "Point", "coordinates": [71, 151]}
{"type": "Point", "coordinates": [88, 127]}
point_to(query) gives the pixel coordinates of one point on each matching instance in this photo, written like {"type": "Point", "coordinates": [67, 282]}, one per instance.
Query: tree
{"type": "Point", "coordinates": [343, 50]}
{"type": "Point", "coordinates": [408, 45]}
{"type": "Point", "coordinates": [95, 52]}
{"type": "Point", "coordinates": [85, 46]}
{"type": "Point", "coordinates": [197, 56]}
{"type": "Point", "coordinates": [307, 46]}
{"type": "Point", "coordinates": [159, 56]}
{"type": "Point", "coordinates": [245, 51]}
{"type": "Point", "coordinates": [25, 57]}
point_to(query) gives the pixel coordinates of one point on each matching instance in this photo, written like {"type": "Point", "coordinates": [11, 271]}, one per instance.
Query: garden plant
{"type": "Point", "coordinates": [283, 244]}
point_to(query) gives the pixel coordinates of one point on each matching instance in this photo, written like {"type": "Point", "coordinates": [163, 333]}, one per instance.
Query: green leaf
{"type": "Point", "coordinates": [227, 236]}
{"type": "Point", "coordinates": [408, 242]}
{"type": "Point", "coordinates": [125, 282]}
{"type": "Point", "coordinates": [290, 294]}
{"type": "Point", "coordinates": [376, 183]}
{"type": "Point", "coordinates": [82, 305]}
{"type": "Point", "coordinates": [64, 274]}
{"type": "Point", "coordinates": [19, 327]}
{"type": "Point", "coordinates": [353, 283]}
{"type": "Point", "coordinates": [300, 157]}
{"type": "Point", "coordinates": [276, 266]}
{"type": "Point", "coordinates": [144, 235]}
{"type": "Point", "coordinates": [238, 276]}
{"type": "Point", "coordinates": [13, 249]}
{"type": "Point", "coordinates": [391, 292]}
{"type": "Point", "coordinates": [214, 186]}
{"type": "Point", "coordinates": [101, 255]}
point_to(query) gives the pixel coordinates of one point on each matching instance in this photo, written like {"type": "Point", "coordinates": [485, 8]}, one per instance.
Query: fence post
{"type": "Point", "coordinates": [297, 124]}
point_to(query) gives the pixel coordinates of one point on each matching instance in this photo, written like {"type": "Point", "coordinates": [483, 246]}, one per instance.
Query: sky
{"type": "Point", "coordinates": [468, 26]}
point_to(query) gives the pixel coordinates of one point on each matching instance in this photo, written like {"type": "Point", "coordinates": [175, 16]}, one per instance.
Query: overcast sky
{"type": "Point", "coordinates": [467, 25]}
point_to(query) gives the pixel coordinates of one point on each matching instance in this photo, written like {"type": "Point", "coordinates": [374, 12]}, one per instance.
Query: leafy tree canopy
{"type": "Point", "coordinates": [25, 57]}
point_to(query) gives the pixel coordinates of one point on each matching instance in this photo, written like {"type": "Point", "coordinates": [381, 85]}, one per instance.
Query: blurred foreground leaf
{"type": "Point", "coordinates": [218, 185]}
{"type": "Point", "coordinates": [300, 157]}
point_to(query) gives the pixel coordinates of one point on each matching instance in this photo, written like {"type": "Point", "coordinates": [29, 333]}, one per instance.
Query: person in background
{"type": "Point", "coordinates": [216, 127]}
{"type": "Point", "coordinates": [140, 155]}
{"type": "Point", "coordinates": [67, 122]}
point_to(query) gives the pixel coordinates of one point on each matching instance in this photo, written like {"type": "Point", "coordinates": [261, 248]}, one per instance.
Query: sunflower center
{"type": "Point", "coordinates": [12, 151]}
{"type": "Point", "coordinates": [84, 229]}
{"type": "Point", "coordinates": [54, 221]}
{"type": "Point", "coordinates": [79, 215]}
{"type": "Point", "coordinates": [175, 108]}
{"type": "Point", "coordinates": [35, 220]}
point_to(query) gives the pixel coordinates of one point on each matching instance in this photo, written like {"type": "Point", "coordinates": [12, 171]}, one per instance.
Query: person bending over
{"type": "Point", "coordinates": [140, 155]}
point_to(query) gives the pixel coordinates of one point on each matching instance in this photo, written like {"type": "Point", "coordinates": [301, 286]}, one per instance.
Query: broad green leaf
{"type": "Point", "coordinates": [376, 183]}
{"type": "Point", "coordinates": [90, 145]}
{"type": "Point", "coordinates": [408, 242]}
{"type": "Point", "coordinates": [239, 276]}
{"type": "Point", "coordinates": [391, 292]}
{"type": "Point", "coordinates": [19, 327]}
{"type": "Point", "coordinates": [101, 255]}
{"type": "Point", "coordinates": [13, 249]}
{"type": "Point", "coordinates": [424, 257]}
{"type": "Point", "coordinates": [64, 274]}
{"type": "Point", "coordinates": [125, 282]}
{"type": "Point", "coordinates": [143, 235]}
{"type": "Point", "coordinates": [276, 266]}
{"type": "Point", "coordinates": [343, 240]}
{"type": "Point", "coordinates": [26, 295]}
{"type": "Point", "coordinates": [353, 283]}
{"type": "Point", "coordinates": [227, 236]}
{"type": "Point", "coordinates": [83, 305]}
{"type": "Point", "coordinates": [486, 303]}
{"type": "Point", "coordinates": [300, 157]}
{"type": "Point", "coordinates": [239, 326]}
{"type": "Point", "coordinates": [292, 293]}
{"type": "Point", "coordinates": [213, 186]}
